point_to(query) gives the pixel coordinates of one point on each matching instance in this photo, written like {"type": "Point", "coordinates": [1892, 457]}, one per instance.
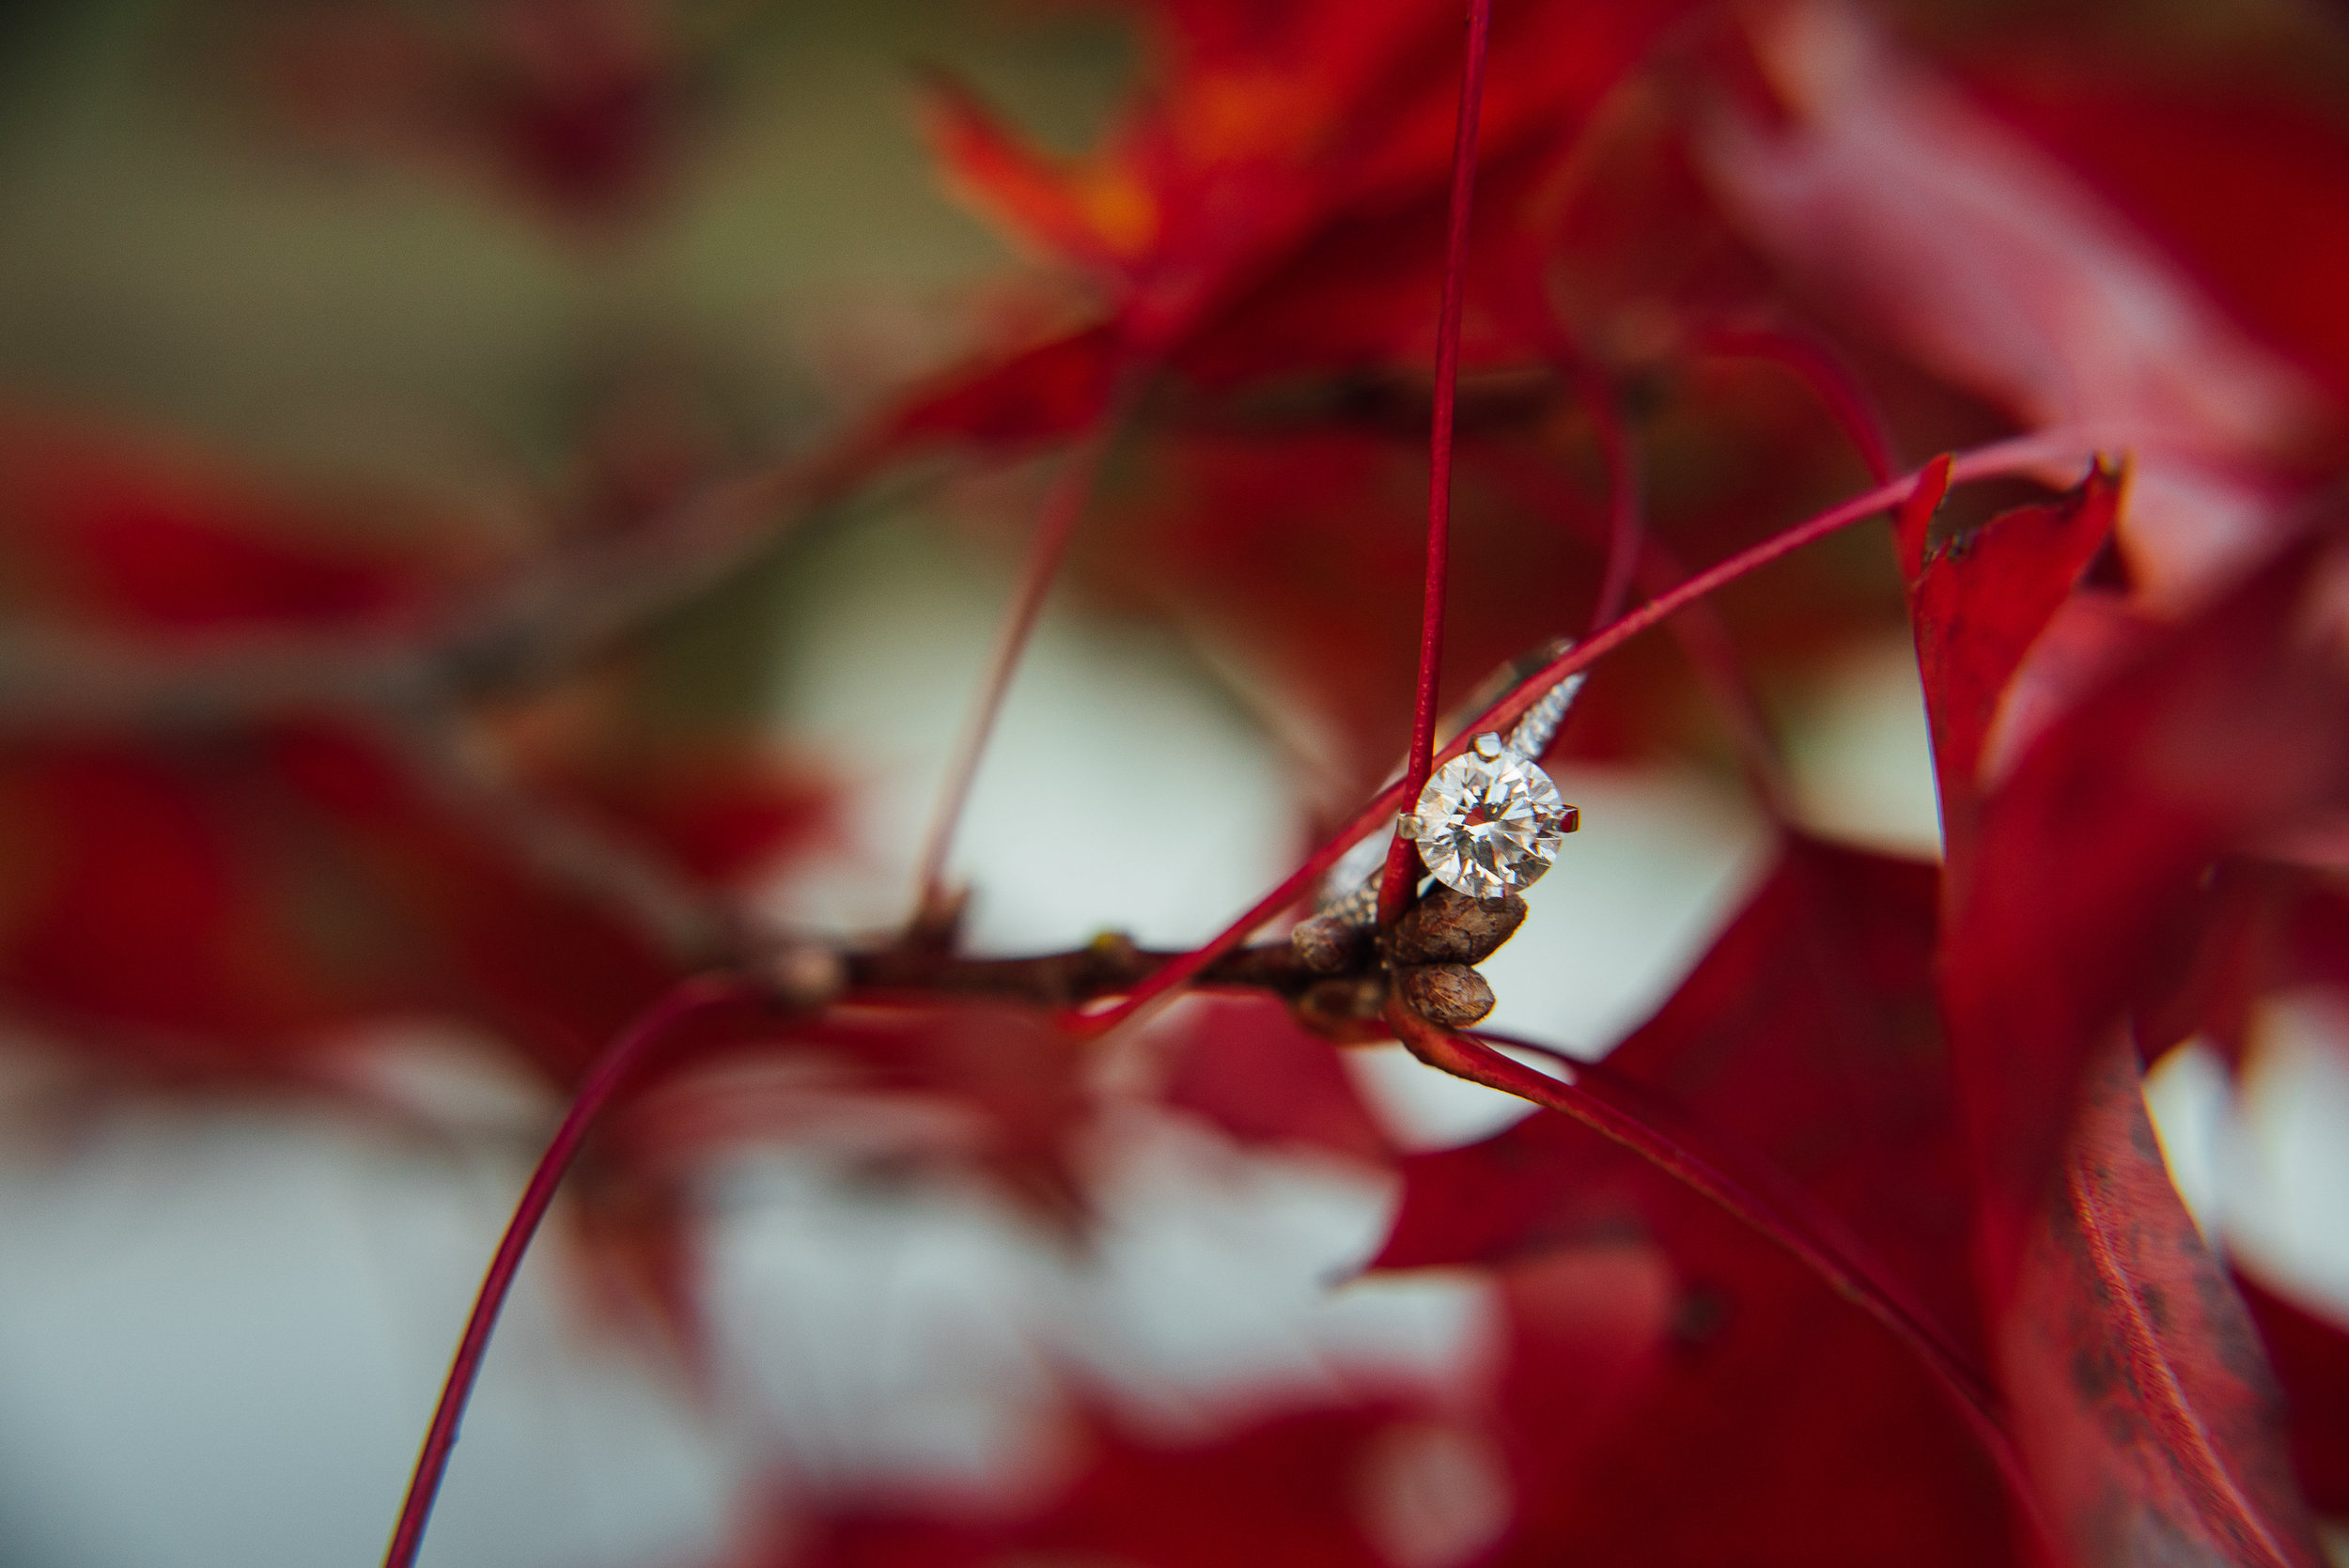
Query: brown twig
{"type": "Point", "coordinates": [1110, 966]}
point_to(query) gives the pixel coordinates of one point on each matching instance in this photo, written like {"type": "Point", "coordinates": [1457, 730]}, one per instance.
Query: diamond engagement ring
{"type": "Point", "coordinates": [1489, 822]}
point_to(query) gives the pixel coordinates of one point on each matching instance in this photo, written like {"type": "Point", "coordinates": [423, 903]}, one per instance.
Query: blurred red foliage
{"type": "Point", "coordinates": [1760, 251]}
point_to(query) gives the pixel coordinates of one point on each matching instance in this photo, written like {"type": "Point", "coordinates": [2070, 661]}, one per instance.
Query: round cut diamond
{"type": "Point", "coordinates": [1489, 821]}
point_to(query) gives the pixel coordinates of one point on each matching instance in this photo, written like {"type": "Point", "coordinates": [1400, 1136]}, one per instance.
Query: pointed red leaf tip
{"type": "Point", "coordinates": [1980, 600]}
{"type": "Point", "coordinates": [2311, 1355]}
{"type": "Point", "coordinates": [2093, 851]}
{"type": "Point", "coordinates": [2138, 1392]}
{"type": "Point", "coordinates": [1914, 515]}
{"type": "Point", "coordinates": [1101, 222]}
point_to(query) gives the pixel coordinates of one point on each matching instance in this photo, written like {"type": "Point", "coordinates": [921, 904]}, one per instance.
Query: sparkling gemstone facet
{"type": "Point", "coordinates": [1489, 822]}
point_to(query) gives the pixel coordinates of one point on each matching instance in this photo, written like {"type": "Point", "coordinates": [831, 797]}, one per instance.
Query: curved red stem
{"type": "Point", "coordinates": [1402, 860]}
{"type": "Point", "coordinates": [1064, 507]}
{"type": "Point", "coordinates": [610, 1071]}
{"type": "Point", "coordinates": [1830, 380]}
{"type": "Point", "coordinates": [2021, 455]}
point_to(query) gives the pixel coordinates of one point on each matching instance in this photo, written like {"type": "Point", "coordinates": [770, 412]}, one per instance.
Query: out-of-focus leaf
{"type": "Point", "coordinates": [1051, 391]}
{"type": "Point", "coordinates": [2238, 175]}
{"type": "Point", "coordinates": [134, 533]}
{"type": "Point", "coordinates": [1930, 225]}
{"type": "Point", "coordinates": [1245, 1065]}
{"type": "Point", "coordinates": [1288, 1489]}
{"type": "Point", "coordinates": [1806, 1038]}
{"type": "Point", "coordinates": [2091, 852]}
{"type": "Point", "coordinates": [219, 908]}
{"type": "Point", "coordinates": [1301, 130]}
{"type": "Point", "coordinates": [2152, 1423]}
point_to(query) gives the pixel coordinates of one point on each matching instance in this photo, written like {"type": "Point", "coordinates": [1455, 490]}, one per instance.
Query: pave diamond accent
{"type": "Point", "coordinates": [1489, 821]}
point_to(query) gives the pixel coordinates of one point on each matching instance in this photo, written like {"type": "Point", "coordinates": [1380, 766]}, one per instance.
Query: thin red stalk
{"type": "Point", "coordinates": [1402, 860]}
{"type": "Point", "coordinates": [2018, 455]}
{"type": "Point", "coordinates": [609, 1072]}
{"type": "Point", "coordinates": [1830, 380]}
{"type": "Point", "coordinates": [1469, 1057]}
{"type": "Point", "coordinates": [1064, 507]}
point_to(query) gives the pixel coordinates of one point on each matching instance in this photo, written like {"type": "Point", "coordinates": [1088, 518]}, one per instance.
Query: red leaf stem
{"type": "Point", "coordinates": [1627, 1117]}
{"type": "Point", "coordinates": [1403, 858]}
{"type": "Point", "coordinates": [1064, 507]}
{"type": "Point", "coordinates": [2021, 455]}
{"type": "Point", "coordinates": [610, 1071]}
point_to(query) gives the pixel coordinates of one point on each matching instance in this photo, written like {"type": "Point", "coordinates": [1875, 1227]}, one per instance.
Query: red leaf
{"type": "Point", "coordinates": [1017, 1072]}
{"type": "Point", "coordinates": [1093, 217]}
{"type": "Point", "coordinates": [2253, 927]}
{"type": "Point", "coordinates": [1246, 1065]}
{"type": "Point", "coordinates": [1316, 130]}
{"type": "Point", "coordinates": [2092, 850]}
{"type": "Point", "coordinates": [165, 539]}
{"type": "Point", "coordinates": [579, 106]}
{"type": "Point", "coordinates": [2139, 1394]}
{"type": "Point", "coordinates": [720, 811]}
{"type": "Point", "coordinates": [1708, 1402]}
{"type": "Point", "coordinates": [1045, 392]}
{"type": "Point", "coordinates": [1288, 1489]}
{"type": "Point", "coordinates": [1807, 1036]}
{"type": "Point", "coordinates": [219, 909]}
{"type": "Point", "coordinates": [1982, 599]}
